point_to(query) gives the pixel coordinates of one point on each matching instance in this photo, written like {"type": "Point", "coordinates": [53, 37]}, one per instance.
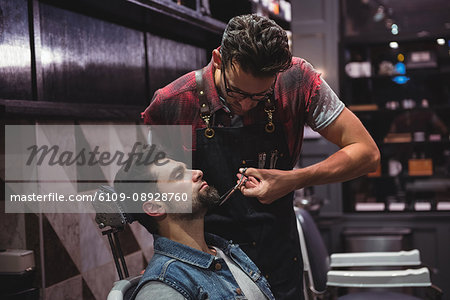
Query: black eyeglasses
{"type": "Point", "coordinates": [239, 95]}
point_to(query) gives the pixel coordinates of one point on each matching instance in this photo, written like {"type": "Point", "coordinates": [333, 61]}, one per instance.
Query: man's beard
{"type": "Point", "coordinates": [208, 198]}
{"type": "Point", "coordinates": [201, 202]}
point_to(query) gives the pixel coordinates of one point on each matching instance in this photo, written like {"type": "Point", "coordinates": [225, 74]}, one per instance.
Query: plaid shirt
{"type": "Point", "coordinates": [178, 103]}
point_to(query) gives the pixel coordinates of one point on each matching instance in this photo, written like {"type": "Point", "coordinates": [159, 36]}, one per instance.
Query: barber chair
{"type": "Point", "coordinates": [323, 274]}
{"type": "Point", "coordinates": [123, 289]}
{"type": "Point", "coordinates": [112, 218]}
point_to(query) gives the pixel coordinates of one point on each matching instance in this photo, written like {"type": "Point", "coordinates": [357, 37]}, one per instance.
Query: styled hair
{"type": "Point", "coordinates": [257, 44]}
{"type": "Point", "coordinates": [132, 180]}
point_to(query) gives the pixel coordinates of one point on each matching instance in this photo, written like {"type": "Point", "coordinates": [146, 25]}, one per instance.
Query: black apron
{"type": "Point", "coordinates": [267, 233]}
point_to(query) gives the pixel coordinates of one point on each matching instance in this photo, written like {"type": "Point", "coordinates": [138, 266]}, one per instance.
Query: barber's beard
{"type": "Point", "coordinates": [208, 198]}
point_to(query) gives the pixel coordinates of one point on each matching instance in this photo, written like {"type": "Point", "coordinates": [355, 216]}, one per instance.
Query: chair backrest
{"type": "Point", "coordinates": [315, 256]}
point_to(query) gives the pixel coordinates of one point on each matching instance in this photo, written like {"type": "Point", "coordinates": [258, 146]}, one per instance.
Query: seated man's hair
{"type": "Point", "coordinates": [138, 178]}
{"type": "Point", "coordinates": [257, 44]}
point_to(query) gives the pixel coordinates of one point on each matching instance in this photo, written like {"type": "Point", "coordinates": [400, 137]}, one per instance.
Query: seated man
{"type": "Point", "coordinates": [187, 263]}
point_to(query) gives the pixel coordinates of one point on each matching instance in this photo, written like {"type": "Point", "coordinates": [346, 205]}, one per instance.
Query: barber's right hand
{"type": "Point", "coordinates": [248, 182]}
{"type": "Point", "coordinates": [267, 185]}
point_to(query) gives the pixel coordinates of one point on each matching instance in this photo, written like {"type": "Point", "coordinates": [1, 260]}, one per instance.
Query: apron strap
{"type": "Point", "coordinates": [204, 105]}
{"type": "Point", "coordinates": [205, 111]}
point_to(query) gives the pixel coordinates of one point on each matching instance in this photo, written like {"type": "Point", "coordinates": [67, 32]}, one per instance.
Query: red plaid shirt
{"type": "Point", "coordinates": [178, 103]}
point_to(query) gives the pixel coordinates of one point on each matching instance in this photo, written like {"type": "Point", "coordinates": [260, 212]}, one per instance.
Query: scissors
{"type": "Point", "coordinates": [230, 192]}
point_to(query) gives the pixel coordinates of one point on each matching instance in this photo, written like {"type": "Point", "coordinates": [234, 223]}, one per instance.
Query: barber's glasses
{"type": "Point", "coordinates": [239, 95]}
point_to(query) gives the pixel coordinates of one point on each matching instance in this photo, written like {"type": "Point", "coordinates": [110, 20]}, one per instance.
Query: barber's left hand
{"type": "Point", "coordinates": [267, 185]}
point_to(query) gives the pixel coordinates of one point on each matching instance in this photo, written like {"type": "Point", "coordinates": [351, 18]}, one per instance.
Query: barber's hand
{"type": "Point", "coordinates": [267, 185]}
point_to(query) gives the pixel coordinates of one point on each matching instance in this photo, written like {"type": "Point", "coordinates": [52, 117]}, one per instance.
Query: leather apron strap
{"type": "Point", "coordinates": [205, 111]}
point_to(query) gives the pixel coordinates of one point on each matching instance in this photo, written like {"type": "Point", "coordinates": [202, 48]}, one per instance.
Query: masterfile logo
{"type": "Point", "coordinates": [59, 168]}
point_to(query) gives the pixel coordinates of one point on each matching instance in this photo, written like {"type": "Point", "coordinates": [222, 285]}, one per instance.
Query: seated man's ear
{"type": "Point", "coordinates": [153, 209]}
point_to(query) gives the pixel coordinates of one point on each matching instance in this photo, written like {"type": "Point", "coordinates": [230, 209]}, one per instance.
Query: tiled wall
{"type": "Point", "coordinates": [73, 259]}
{"type": "Point", "coordinates": [72, 256]}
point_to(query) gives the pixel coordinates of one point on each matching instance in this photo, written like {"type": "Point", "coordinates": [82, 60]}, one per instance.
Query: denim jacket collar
{"type": "Point", "coordinates": [187, 254]}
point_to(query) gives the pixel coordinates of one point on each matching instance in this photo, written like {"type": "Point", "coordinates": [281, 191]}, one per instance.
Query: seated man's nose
{"type": "Point", "coordinates": [197, 175]}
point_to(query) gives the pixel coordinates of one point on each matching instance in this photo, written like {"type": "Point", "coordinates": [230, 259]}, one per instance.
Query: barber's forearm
{"type": "Point", "coordinates": [348, 163]}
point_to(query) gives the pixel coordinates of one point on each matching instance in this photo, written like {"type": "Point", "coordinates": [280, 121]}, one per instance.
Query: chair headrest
{"type": "Point", "coordinates": [110, 213]}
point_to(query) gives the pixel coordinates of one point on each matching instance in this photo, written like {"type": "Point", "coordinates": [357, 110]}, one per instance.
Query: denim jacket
{"type": "Point", "coordinates": [199, 275]}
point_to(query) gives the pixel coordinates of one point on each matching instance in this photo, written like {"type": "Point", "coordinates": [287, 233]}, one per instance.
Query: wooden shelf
{"type": "Point", "coordinates": [78, 111]}
{"type": "Point", "coordinates": [363, 107]}
{"type": "Point", "coordinates": [158, 16]}
{"type": "Point", "coordinates": [182, 13]}
{"type": "Point", "coordinates": [403, 176]}
{"type": "Point", "coordinates": [415, 143]}
{"type": "Point", "coordinates": [410, 73]}
{"type": "Point", "coordinates": [357, 108]}
{"type": "Point", "coordinates": [384, 39]}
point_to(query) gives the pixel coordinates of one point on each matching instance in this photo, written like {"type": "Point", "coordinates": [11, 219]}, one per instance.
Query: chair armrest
{"type": "Point", "coordinates": [121, 286]}
{"type": "Point", "coordinates": [401, 278]}
{"type": "Point", "coordinates": [363, 259]}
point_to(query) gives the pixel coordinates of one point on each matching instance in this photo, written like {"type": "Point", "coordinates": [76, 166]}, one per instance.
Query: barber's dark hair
{"type": "Point", "coordinates": [137, 178]}
{"type": "Point", "coordinates": [257, 44]}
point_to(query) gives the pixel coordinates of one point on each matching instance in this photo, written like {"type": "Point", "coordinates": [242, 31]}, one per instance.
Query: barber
{"type": "Point", "coordinates": [248, 108]}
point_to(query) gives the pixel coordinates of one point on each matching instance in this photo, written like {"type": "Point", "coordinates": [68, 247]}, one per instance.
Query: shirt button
{"type": "Point", "coordinates": [238, 291]}
{"type": "Point", "coordinates": [295, 258]}
{"type": "Point", "coordinates": [218, 267]}
{"type": "Point", "coordinates": [267, 276]}
{"type": "Point", "coordinates": [254, 243]}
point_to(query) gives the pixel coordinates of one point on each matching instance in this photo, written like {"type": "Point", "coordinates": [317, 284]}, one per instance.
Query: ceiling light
{"type": "Point", "coordinates": [379, 15]}
{"type": "Point", "coordinates": [393, 45]}
{"type": "Point", "coordinates": [394, 29]}
{"type": "Point", "coordinates": [441, 41]}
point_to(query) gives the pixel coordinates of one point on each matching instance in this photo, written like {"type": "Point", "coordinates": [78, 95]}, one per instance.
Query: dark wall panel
{"type": "Point", "coordinates": [169, 59]}
{"type": "Point", "coordinates": [89, 60]}
{"type": "Point", "coordinates": [426, 240]}
{"type": "Point", "coordinates": [15, 54]}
